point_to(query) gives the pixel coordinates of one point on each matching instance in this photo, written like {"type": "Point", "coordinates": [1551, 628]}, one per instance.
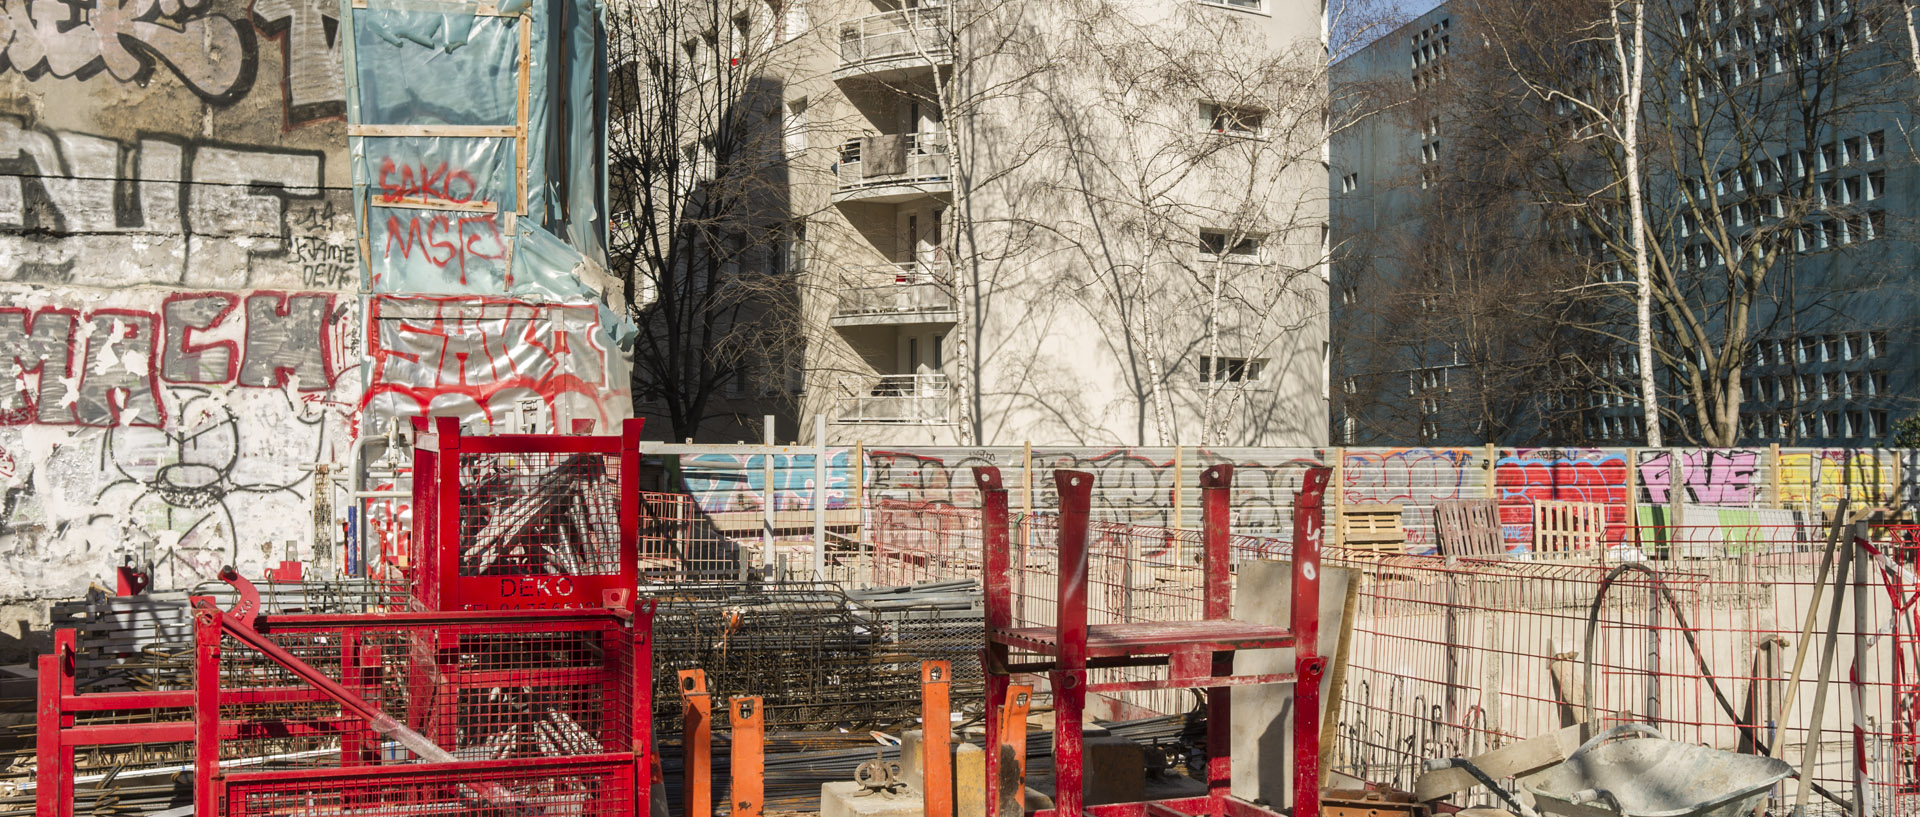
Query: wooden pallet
{"type": "Point", "coordinates": [1372, 527]}
{"type": "Point", "coordinates": [1469, 529]}
{"type": "Point", "coordinates": [1568, 528]}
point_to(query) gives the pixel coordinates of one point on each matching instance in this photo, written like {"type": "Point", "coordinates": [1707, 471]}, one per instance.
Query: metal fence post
{"type": "Point", "coordinates": [766, 495]}
{"type": "Point", "coordinates": [819, 497]}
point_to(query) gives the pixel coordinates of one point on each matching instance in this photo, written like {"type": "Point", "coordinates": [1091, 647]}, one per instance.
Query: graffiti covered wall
{"type": "Point", "coordinates": [179, 338]}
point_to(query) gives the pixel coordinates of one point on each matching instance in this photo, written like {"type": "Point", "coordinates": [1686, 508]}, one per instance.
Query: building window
{"type": "Point", "coordinates": [1349, 182]}
{"type": "Point", "coordinates": [939, 353]}
{"type": "Point", "coordinates": [1233, 120]}
{"type": "Point", "coordinates": [1238, 4]}
{"type": "Point", "coordinates": [793, 18]}
{"type": "Point", "coordinates": [796, 129]}
{"type": "Point", "coordinates": [1215, 245]}
{"type": "Point", "coordinates": [1231, 369]}
{"type": "Point", "coordinates": [1877, 424]}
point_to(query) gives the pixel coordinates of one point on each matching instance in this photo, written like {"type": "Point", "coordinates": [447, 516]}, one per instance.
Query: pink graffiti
{"type": "Point", "coordinates": [1709, 477]}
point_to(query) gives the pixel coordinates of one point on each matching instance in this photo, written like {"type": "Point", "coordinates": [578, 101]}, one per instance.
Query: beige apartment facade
{"type": "Point", "coordinates": [1087, 222]}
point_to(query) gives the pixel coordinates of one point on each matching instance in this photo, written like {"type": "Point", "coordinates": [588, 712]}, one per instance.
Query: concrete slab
{"type": "Point", "coordinates": [849, 799]}
{"type": "Point", "coordinates": [1263, 715]}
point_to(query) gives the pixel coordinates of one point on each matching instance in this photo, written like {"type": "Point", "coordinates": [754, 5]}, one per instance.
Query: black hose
{"type": "Point", "coordinates": [1686, 631]}
{"type": "Point", "coordinates": [1467, 766]}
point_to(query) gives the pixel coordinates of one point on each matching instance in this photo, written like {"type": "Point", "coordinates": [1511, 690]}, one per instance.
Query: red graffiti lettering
{"type": "Point", "coordinates": [431, 185]}
{"type": "Point", "coordinates": [432, 351]}
{"type": "Point", "coordinates": [445, 240]}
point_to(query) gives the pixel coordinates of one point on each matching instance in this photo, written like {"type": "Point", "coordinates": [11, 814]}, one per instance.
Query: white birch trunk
{"type": "Point", "coordinates": [1633, 71]}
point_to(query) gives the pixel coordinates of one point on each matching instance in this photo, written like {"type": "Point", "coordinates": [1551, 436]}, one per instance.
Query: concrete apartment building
{"type": "Point", "coordinates": [1833, 358]}
{"type": "Point", "coordinates": [1079, 223]}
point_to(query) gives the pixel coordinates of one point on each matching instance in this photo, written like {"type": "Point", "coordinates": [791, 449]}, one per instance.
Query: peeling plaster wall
{"type": "Point", "coordinates": [179, 333]}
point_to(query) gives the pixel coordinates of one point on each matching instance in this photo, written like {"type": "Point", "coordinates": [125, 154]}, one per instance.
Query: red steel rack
{"type": "Point", "coordinates": [523, 521]}
{"type": "Point", "coordinates": [1196, 654]}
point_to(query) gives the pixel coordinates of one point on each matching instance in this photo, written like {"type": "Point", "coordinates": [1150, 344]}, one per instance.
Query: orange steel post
{"type": "Point", "coordinates": [936, 733]}
{"type": "Point", "coordinates": [749, 756]}
{"type": "Point", "coordinates": [1011, 791]}
{"type": "Point", "coordinates": [696, 710]}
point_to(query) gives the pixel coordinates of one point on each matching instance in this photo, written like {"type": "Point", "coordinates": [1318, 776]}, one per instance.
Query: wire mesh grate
{"type": "Point", "coordinates": [539, 513]}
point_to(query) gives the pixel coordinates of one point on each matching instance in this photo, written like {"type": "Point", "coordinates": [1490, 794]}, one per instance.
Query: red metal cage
{"type": "Point", "coordinates": [523, 521]}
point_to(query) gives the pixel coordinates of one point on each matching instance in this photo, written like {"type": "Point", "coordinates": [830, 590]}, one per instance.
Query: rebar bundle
{"type": "Point", "coordinates": [823, 660]}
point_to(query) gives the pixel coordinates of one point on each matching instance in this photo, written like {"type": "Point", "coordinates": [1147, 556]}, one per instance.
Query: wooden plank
{"type": "Point", "coordinates": [520, 129]}
{"type": "Point", "coordinates": [466, 131]}
{"type": "Point", "coordinates": [1526, 757]}
{"type": "Point", "coordinates": [449, 206]}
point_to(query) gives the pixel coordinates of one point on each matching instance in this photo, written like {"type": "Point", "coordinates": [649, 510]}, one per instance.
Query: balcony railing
{"type": "Point", "coordinates": [918, 32]}
{"type": "Point", "coordinates": [894, 299]}
{"type": "Point", "coordinates": [892, 158]}
{"type": "Point", "coordinates": [922, 399]}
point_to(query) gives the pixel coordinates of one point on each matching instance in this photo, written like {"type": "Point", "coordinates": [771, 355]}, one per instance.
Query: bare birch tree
{"type": "Point", "coordinates": [1194, 152]}
{"type": "Point", "coordinates": [1734, 97]}
{"type": "Point", "coordinates": [705, 231]}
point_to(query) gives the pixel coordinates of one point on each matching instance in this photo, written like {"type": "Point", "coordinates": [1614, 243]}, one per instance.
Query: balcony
{"type": "Point", "coordinates": [897, 399]}
{"type": "Point", "coordinates": [893, 167]}
{"type": "Point", "coordinates": [894, 41]}
{"type": "Point", "coordinates": [913, 298]}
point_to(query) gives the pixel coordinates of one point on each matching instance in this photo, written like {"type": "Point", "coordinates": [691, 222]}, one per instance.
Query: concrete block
{"type": "Point", "coordinates": [910, 771]}
{"type": "Point", "coordinates": [849, 799]}
{"type": "Point", "coordinates": [1262, 734]}
{"type": "Point", "coordinates": [969, 781]}
{"type": "Point", "coordinates": [1116, 771]}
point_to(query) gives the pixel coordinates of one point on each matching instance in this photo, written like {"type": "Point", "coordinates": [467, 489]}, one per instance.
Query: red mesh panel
{"type": "Point", "coordinates": [489, 690]}
{"type": "Point", "coordinates": [575, 789]}
{"type": "Point", "coordinates": [523, 521]}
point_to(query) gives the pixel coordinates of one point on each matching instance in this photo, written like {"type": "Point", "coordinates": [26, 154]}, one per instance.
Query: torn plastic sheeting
{"type": "Point", "coordinates": [413, 250]}
{"type": "Point", "coordinates": [587, 88]}
{"type": "Point", "coordinates": [442, 251]}
{"type": "Point", "coordinates": [566, 137]}
{"type": "Point", "coordinates": [429, 68]}
{"type": "Point", "coordinates": [480, 358]}
{"type": "Point", "coordinates": [469, 171]}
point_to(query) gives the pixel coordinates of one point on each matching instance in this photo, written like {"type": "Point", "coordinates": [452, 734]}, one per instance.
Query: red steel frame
{"type": "Point", "coordinates": [1196, 653]}
{"type": "Point", "coordinates": [219, 713]}
{"type": "Point", "coordinates": [438, 583]}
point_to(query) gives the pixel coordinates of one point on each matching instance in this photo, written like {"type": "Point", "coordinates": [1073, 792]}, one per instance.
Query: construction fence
{"type": "Point", "coordinates": [744, 512]}
{"type": "Point", "coordinates": [1455, 657]}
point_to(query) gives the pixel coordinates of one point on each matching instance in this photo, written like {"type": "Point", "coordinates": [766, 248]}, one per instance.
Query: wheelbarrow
{"type": "Point", "coordinates": [1651, 776]}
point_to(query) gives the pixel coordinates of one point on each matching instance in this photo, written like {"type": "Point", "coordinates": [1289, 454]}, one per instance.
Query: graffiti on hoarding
{"type": "Point", "coordinates": [433, 354]}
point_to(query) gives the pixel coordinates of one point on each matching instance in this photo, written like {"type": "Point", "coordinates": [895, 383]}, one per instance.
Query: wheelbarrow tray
{"type": "Point", "coordinates": [1653, 777]}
